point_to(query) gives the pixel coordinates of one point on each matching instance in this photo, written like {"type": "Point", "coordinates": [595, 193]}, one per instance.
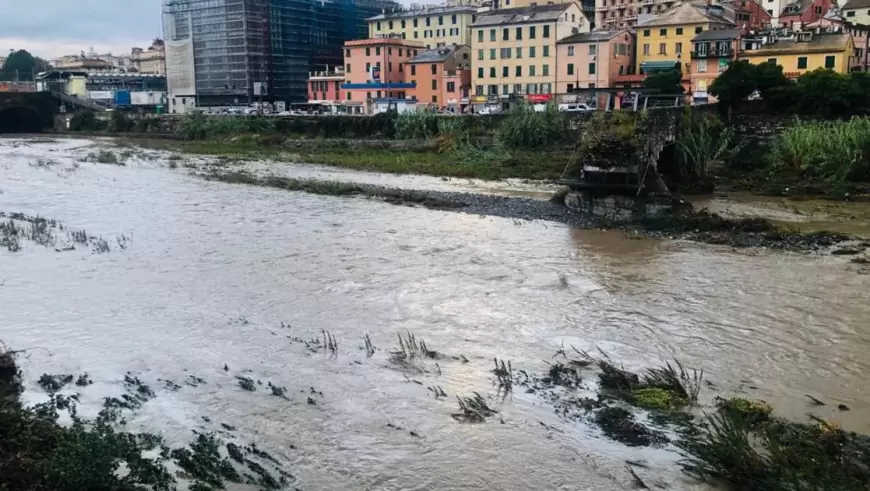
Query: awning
{"type": "Point", "coordinates": [657, 66]}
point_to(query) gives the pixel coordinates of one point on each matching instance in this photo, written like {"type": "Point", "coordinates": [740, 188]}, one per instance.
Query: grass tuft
{"type": "Point", "coordinates": [474, 409]}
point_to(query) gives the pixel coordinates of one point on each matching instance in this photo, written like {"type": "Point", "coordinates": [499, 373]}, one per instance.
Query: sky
{"type": "Point", "coordinates": [53, 28]}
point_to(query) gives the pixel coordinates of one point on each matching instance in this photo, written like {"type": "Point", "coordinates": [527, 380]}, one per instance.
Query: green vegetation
{"type": "Point", "coordinates": [752, 411]}
{"type": "Point", "coordinates": [21, 65]}
{"type": "Point", "coordinates": [703, 141]}
{"type": "Point", "coordinates": [666, 82]}
{"type": "Point", "coordinates": [832, 151]}
{"type": "Point", "coordinates": [526, 128]}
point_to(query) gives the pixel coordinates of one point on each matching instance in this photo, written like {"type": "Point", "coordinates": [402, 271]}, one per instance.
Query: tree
{"type": "Point", "coordinates": [769, 76]}
{"type": "Point", "coordinates": [737, 83]}
{"type": "Point", "coordinates": [667, 82]}
{"type": "Point", "coordinates": [21, 65]}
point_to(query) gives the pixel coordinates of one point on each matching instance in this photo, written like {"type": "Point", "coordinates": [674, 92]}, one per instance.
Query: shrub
{"type": "Point", "coordinates": [416, 125]}
{"type": "Point", "coordinates": [85, 121]}
{"type": "Point", "coordinates": [836, 151]}
{"type": "Point", "coordinates": [703, 140]}
{"type": "Point", "coordinates": [526, 128]}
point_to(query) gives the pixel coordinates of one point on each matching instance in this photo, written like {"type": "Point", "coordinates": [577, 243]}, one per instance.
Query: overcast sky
{"type": "Point", "coordinates": [52, 28]}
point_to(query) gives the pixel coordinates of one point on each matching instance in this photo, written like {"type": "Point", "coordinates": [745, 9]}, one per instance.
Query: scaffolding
{"type": "Point", "coordinates": [240, 46]}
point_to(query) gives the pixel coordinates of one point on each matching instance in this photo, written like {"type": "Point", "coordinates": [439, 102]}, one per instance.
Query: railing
{"type": "Point", "coordinates": [713, 53]}
{"type": "Point", "coordinates": [601, 8]}
{"type": "Point", "coordinates": [647, 2]}
{"type": "Point", "coordinates": [85, 103]}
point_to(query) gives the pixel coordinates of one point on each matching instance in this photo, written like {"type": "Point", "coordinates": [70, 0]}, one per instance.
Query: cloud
{"type": "Point", "coordinates": [51, 28]}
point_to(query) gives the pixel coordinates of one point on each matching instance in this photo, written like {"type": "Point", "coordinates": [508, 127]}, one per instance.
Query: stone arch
{"type": "Point", "coordinates": [21, 119]}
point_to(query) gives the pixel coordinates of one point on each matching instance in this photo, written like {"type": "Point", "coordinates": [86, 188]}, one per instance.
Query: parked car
{"type": "Point", "coordinates": [574, 108]}
{"type": "Point", "coordinates": [487, 110]}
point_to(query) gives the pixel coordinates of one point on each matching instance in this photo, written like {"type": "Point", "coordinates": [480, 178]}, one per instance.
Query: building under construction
{"type": "Point", "coordinates": [243, 50]}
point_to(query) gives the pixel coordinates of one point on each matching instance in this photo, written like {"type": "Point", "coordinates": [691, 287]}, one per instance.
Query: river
{"type": "Point", "coordinates": [214, 269]}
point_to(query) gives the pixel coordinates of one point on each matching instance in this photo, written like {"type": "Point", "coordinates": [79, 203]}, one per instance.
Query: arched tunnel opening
{"type": "Point", "coordinates": [20, 119]}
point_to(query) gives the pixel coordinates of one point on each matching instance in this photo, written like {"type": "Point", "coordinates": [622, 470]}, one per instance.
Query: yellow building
{"type": "Point", "coordinates": [513, 51]}
{"type": "Point", "coordinates": [666, 40]}
{"type": "Point", "coordinates": [432, 26]}
{"type": "Point", "coordinates": [857, 12]}
{"type": "Point", "coordinates": [806, 52]}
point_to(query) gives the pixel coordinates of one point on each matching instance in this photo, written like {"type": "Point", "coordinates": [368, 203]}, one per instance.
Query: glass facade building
{"type": "Point", "coordinates": [242, 45]}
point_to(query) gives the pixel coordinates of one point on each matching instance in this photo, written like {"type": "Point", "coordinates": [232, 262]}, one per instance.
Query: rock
{"type": "Point", "coordinates": [842, 407]}
{"type": "Point", "coordinates": [847, 251]}
{"type": "Point", "coordinates": [861, 260]}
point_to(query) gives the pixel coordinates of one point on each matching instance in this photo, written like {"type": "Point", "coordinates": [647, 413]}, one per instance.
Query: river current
{"type": "Point", "coordinates": [214, 269]}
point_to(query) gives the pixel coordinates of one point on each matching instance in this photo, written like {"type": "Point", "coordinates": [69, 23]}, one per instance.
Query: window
{"type": "Point", "coordinates": [401, 67]}
{"type": "Point", "coordinates": [492, 34]}
{"type": "Point", "coordinates": [506, 53]}
{"type": "Point", "coordinates": [531, 32]}
{"type": "Point", "coordinates": [480, 35]}
{"type": "Point", "coordinates": [403, 23]}
{"type": "Point", "coordinates": [451, 86]}
{"type": "Point", "coordinates": [453, 19]}
{"type": "Point", "coordinates": [531, 70]}
{"type": "Point", "coordinates": [368, 51]}
{"type": "Point", "coordinates": [505, 89]}
{"type": "Point", "coordinates": [505, 34]}
{"type": "Point", "coordinates": [702, 66]}
{"type": "Point", "coordinates": [492, 72]}
{"type": "Point", "coordinates": [434, 69]}
{"type": "Point", "coordinates": [592, 49]}
{"type": "Point", "coordinates": [531, 51]}
{"type": "Point", "coordinates": [546, 32]}
{"type": "Point", "coordinates": [416, 34]}
{"type": "Point", "coordinates": [592, 69]}
{"type": "Point", "coordinates": [663, 49]}
{"type": "Point", "coordinates": [480, 54]}
{"type": "Point", "coordinates": [347, 68]}
{"type": "Point", "coordinates": [415, 22]}
{"type": "Point", "coordinates": [519, 52]}
{"type": "Point", "coordinates": [480, 72]}
{"type": "Point", "coordinates": [646, 33]}
{"type": "Point", "coordinates": [818, 10]}
{"type": "Point", "coordinates": [379, 26]}
{"type": "Point", "coordinates": [434, 85]}
{"type": "Point", "coordinates": [772, 61]}
{"type": "Point", "coordinates": [646, 49]}
{"type": "Point", "coordinates": [379, 94]}
{"type": "Point", "coordinates": [663, 32]}
{"type": "Point", "coordinates": [348, 96]}
{"type": "Point", "coordinates": [519, 71]}
{"type": "Point", "coordinates": [428, 21]}
{"type": "Point", "coordinates": [546, 51]}
{"type": "Point", "coordinates": [519, 34]}
{"type": "Point", "coordinates": [493, 89]}
{"type": "Point", "coordinates": [347, 53]}
{"type": "Point", "coordinates": [570, 50]}
{"type": "Point", "coordinates": [570, 69]}
{"type": "Point", "coordinates": [518, 88]}
{"type": "Point", "coordinates": [389, 51]}
{"type": "Point", "coordinates": [679, 31]}
{"type": "Point", "coordinates": [434, 97]}
{"type": "Point", "coordinates": [440, 20]}
{"type": "Point", "coordinates": [850, 13]}
{"type": "Point", "coordinates": [545, 70]}
{"type": "Point", "coordinates": [413, 69]}
{"type": "Point", "coordinates": [389, 66]}
{"type": "Point", "coordinates": [591, 85]}
{"type": "Point", "coordinates": [829, 61]}
{"type": "Point", "coordinates": [400, 51]}
{"type": "Point", "coordinates": [570, 88]}
{"type": "Point", "coordinates": [368, 67]}
{"type": "Point", "coordinates": [679, 48]}
{"type": "Point", "coordinates": [377, 50]}
{"type": "Point", "coordinates": [699, 29]}
{"type": "Point", "coordinates": [505, 71]}
{"type": "Point", "coordinates": [390, 25]}
{"type": "Point", "coordinates": [492, 53]}
{"type": "Point", "coordinates": [478, 89]}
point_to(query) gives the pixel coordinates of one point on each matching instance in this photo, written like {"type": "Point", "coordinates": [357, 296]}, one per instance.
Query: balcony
{"type": "Point", "coordinates": [714, 53]}
{"type": "Point", "coordinates": [601, 8]}
{"type": "Point", "coordinates": [610, 20]}
{"type": "Point", "coordinates": [630, 16]}
{"type": "Point", "coordinates": [648, 2]}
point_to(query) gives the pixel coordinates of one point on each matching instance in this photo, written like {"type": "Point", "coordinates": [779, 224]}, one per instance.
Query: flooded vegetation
{"type": "Point", "coordinates": [254, 338]}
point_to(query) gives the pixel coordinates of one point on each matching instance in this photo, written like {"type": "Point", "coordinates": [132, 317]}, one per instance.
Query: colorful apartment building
{"type": "Point", "coordinates": [611, 14]}
{"type": "Point", "coordinates": [857, 11]}
{"type": "Point", "coordinates": [324, 87]}
{"type": "Point", "coordinates": [594, 59]}
{"type": "Point", "coordinates": [833, 21]}
{"type": "Point", "coordinates": [513, 51]}
{"type": "Point", "coordinates": [799, 13]}
{"type": "Point", "coordinates": [805, 52]}
{"type": "Point", "coordinates": [431, 26]}
{"type": "Point", "coordinates": [664, 41]}
{"type": "Point", "coordinates": [712, 51]}
{"type": "Point", "coordinates": [374, 70]}
{"type": "Point", "coordinates": [442, 77]}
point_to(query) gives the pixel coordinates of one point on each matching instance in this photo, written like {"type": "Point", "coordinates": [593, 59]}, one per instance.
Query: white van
{"type": "Point", "coordinates": [574, 107]}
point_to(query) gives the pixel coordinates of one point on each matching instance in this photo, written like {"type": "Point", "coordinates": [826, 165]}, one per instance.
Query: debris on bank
{"type": "Point", "coordinates": [16, 228]}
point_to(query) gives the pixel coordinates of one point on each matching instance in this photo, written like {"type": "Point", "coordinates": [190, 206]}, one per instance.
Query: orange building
{"type": "Point", "coordinates": [712, 51]}
{"type": "Point", "coordinates": [374, 69]}
{"type": "Point", "coordinates": [593, 60]}
{"type": "Point", "coordinates": [442, 76]}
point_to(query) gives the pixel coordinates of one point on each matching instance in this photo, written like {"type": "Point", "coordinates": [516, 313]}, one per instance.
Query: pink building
{"type": "Point", "coordinates": [834, 22]}
{"type": "Point", "coordinates": [442, 77]}
{"type": "Point", "coordinates": [374, 69]}
{"type": "Point", "coordinates": [324, 87]}
{"type": "Point", "coordinates": [592, 60]}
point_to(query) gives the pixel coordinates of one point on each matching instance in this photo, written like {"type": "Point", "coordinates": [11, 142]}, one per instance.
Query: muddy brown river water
{"type": "Point", "coordinates": [214, 269]}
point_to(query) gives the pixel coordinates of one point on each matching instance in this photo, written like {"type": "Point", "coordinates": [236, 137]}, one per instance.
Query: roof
{"type": "Point", "coordinates": [692, 13]}
{"type": "Point", "coordinates": [718, 35]}
{"type": "Point", "coordinates": [436, 55]}
{"type": "Point", "coordinates": [592, 37]}
{"type": "Point", "coordinates": [423, 12]}
{"type": "Point", "coordinates": [856, 4]}
{"type": "Point", "coordinates": [522, 15]}
{"type": "Point", "coordinates": [818, 43]}
{"type": "Point", "coordinates": [796, 7]}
